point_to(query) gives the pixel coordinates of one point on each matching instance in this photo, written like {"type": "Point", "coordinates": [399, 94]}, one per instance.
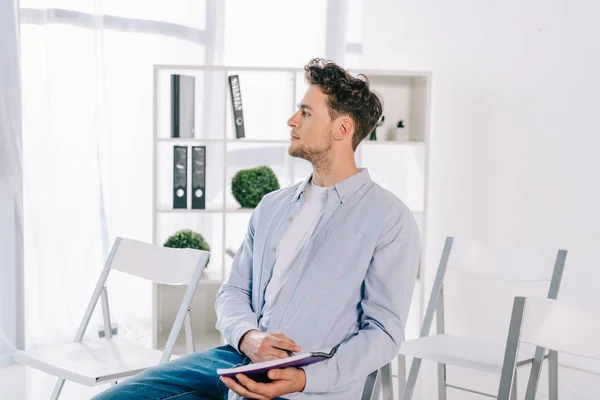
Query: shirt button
{"type": "Point", "coordinates": [289, 218]}
{"type": "Point", "coordinates": [302, 195]}
{"type": "Point", "coordinates": [266, 283]}
{"type": "Point", "coordinates": [272, 248]}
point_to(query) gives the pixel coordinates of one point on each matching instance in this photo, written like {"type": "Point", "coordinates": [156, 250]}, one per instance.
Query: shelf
{"type": "Point", "coordinates": [196, 140]}
{"type": "Point", "coordinates": [190, 211]}
{"type": "Point", "coordinates": [215, 140]}
{"type": "Point", "coordinates": [392, 143]}
{"type": "Point", "coordinates": [229, 209]}
{"type": "Point", "coordinates": [233, 209]}
{"type": "Point", "coordinates": [220, 68]}
{"type": "Point", "coordinates": [286, 141]}
{"type": "Point", "coordinates": [246, 140]}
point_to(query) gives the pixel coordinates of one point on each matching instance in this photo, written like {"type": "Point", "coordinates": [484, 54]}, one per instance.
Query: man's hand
{"type": "Point", "coordinates": [265, 346]}
{"type": "Point", "coordinates": [287, 380]}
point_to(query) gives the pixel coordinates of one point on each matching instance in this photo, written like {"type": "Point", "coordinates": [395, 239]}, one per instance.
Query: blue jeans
{"type": "Point", "coordinates": [191, 377]}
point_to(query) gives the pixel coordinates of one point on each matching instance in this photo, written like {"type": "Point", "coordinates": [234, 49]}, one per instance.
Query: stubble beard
{"type": "Point", "coordinates": [318, 157]}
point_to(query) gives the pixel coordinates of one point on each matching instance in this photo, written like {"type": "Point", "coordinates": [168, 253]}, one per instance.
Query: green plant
{"type": "Point", "coordinates": [187, 239]}
{"type": "Point", "coordinates": [249, 186]}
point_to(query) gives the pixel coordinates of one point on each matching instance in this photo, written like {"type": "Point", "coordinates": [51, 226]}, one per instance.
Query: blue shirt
{"type": "Point", "coordinates": [351, 286]}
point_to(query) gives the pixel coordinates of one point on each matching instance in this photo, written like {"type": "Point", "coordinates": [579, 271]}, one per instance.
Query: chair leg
{"type": "Point", "coordinates": [552, 375]}
{"type": "Point", "coordinates": [57, 388]}
{"type": "Point", "coordinates": [412, 379]}
{"type": "Point", "coordinates": [534, 375]}
{"type": "Point", "coordinates": [377, 389]}
{"type": "Point", "coordinates": [387, 388]}
{"type": "Point", "coordinates": [371, 389]}
{"type": "Point", "coordinates": [401, 374]}
{"type": "Point", "coordinates": [189, 333]}
{"type": "Point", "coordinates": [513, 391]}
{"type": "Point", "coordinates": [441, 372]}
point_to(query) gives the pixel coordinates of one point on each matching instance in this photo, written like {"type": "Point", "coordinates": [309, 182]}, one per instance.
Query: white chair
{"type": "Point", "coordinates": [380, 380]}
{"type": "Point", "coordinates": [108, 359]}
{"type": "Point", "coordinates": [549, 324]}
{"type": "Point", "coordinates": [513, 265]}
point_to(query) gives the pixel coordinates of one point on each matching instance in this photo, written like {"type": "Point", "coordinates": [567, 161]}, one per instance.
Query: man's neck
{"type": "Point", "coordinates": [333, 173]}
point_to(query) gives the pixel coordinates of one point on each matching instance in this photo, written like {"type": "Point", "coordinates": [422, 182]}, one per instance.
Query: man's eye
{"type": "Point", "coordinates": [304, 113]}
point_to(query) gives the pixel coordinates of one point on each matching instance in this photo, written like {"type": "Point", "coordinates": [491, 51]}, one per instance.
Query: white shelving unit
{"type": "Point", "coordinates": [269, 98]}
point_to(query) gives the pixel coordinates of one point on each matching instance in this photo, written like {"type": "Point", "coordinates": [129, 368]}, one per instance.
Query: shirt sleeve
{"type": "Point", "coordinates": [388, 288]}
{"type": "Point", "coordinates": [233, 305]}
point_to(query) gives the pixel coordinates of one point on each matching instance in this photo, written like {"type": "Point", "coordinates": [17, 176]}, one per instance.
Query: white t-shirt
{"type": "Point", "coordinates": [293, 241]}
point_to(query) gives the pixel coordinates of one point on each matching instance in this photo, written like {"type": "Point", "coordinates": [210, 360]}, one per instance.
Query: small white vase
{"type": "Point", "coordinates": [401, 135]}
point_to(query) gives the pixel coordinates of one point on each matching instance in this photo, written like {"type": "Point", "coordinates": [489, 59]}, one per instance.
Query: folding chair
{"type": "Point", "coordinates": [108, 359]}
{"type": "Point", "coordinates": [549, 324]}
{"type": "Point", "coordinates": [380, 380]}
{"type": "Point", "coordinates": [513, 265]}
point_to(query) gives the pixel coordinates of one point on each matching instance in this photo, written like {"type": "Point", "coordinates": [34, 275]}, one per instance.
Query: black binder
{"type": "Point", "coordinates": [180, 176]}
{"type": "Point", "coordinates": [236, 102]}
{"type": "Point", "coordinates": [182, 106]}
{"type": "Point", "coordinates": [198, 177]}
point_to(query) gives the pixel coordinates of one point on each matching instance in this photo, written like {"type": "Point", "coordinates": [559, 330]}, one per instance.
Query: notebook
{"type": "Point", "coordinates": [258, 371]}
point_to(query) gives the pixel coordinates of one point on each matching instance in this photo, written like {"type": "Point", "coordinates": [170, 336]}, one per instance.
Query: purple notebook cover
{"type": "Point", "coordinates": [259, 373]}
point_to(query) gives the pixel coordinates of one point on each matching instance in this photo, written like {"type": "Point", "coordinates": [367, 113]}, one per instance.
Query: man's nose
{"type": "Point", "coordinates": [293, 121]}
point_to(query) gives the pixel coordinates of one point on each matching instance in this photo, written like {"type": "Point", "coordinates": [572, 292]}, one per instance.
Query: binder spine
{"type": "Point", "coordinates": [183, 89]}
{"type": "Point", "coordinates": [175, 80]}
{"type": "Point", "coordinates": [198, 177]}
{"type": "Point", "coordinates": [180, 176]}
{"type": "Point", "coordinates": [236, 102]}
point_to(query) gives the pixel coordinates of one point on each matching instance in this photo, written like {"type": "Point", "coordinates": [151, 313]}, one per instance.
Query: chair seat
{"type": "Point", "coordinates": [91, 362]}
{"type": "Point", "coordinates": [463, 352]}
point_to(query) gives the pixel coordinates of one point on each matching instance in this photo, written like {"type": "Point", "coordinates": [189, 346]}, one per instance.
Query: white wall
{"type": "Point", "coordinates": [514, 144]}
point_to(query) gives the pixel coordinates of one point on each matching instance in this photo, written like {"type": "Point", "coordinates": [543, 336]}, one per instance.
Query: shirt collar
{"type": "Point", "coordinates": [344, 189]}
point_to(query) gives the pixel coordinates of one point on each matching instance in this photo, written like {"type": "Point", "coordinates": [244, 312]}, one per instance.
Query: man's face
{"type": "Point", "coordinates": [311, 135]}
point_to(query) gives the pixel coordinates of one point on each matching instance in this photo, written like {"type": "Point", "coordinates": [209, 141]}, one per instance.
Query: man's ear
{"type": "Point", "coordinates": [343, 128]}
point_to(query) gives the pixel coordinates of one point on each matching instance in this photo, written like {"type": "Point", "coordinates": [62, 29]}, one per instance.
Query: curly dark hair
{"type": "Point", "coordinates": [346, 95]}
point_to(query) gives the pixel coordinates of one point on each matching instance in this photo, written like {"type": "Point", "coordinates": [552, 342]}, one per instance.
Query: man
{"type": "Point", "coordinates": [330, 262]}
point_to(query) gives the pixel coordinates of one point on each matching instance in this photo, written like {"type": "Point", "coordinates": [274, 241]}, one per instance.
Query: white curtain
{"type": "Point", "coordinates": [11, 211]}
{"type": "Point", "coordinates": [87, 130]}
{"type": "Point", "coordinates": [87, 123]}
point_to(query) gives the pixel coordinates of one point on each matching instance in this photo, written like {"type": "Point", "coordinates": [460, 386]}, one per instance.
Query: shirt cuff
{"type": "Point", "coordinates": [316, 378]}
{"type": "Point", "coordinates": [239, 332]}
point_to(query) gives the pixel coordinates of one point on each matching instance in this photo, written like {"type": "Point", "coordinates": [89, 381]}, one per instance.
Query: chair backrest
{"type": "Point", "coordinates": [512, 264]}
{"type": "Point", "coordinates": [560, 326]}
{"type": "Point", "coordinates": [156, 263]}
{"type": "Point", "coordinates": [549, 324]}
{"type": "Point", "coordinates": [503, 263]}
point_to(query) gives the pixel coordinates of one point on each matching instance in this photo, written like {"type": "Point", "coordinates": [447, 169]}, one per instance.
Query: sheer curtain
{"type": "Point", "coordinates": [87, 115]}
{"type": "Point", "coordinates": [87, 128]}
{"type": "Point", "coordinates": [11, 211]}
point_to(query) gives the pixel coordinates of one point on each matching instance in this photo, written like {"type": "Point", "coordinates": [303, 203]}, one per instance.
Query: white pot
{"type": "Point", "coordinates": [401, 134]}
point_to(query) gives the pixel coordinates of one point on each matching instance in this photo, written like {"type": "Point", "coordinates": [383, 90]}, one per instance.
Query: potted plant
{"type": "Point", "coordinates": [401, 133]}
{"type": "Point", "coordinates": [187, 239]}
{"type": "Point", "coordinates": [374, 132]}
{"type": "Point", "coordinates": [249, 186]}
